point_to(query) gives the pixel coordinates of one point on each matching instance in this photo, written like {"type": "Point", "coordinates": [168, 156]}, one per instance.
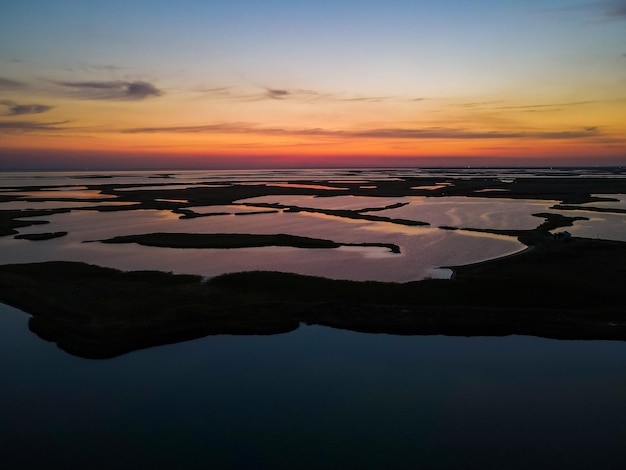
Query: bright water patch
{"type": "Point", "coordinates": [468, 212]}
{"type": "Point", "coordinates": [602, 225]}
{"type": "Point", "coordinates": [422, 248]}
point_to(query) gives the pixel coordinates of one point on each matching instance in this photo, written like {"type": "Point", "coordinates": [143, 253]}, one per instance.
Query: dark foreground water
{"type": "Point", "coordinates": [314, 398]}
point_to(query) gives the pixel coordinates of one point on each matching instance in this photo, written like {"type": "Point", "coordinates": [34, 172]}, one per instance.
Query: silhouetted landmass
{"type": "Point", "coordinates": [557, 288]}
{"type": "Point", "coordinates": [609, 210]}
{"type": "Point", "coordinates": [235, 240]}
{"type": "Point", "coordinates": [40, 236]}
{"type": "Point", "coordinates": [10, 220]}
{"type": "Point", "coordinates": [570, 289]}
{"type": "Point", "coordinates": [348, 214]}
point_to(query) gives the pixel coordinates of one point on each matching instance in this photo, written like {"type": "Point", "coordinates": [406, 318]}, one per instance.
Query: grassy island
{"type": "Point", "coordinates": [234, 240]}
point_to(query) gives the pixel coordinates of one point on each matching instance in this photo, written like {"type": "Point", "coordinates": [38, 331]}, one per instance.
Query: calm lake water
{"type": "Point", "coordinates": [314, 398]}
{"type": "Point", "coordinates": [425, 250]}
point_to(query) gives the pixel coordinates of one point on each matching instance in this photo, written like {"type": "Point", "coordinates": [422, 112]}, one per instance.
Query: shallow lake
{"type": "Point", "coordinates": [314, 398]}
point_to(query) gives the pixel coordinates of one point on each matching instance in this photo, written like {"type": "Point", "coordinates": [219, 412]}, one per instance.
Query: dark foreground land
{"type": "Point", "coordinates": [555, 289]}
{"type": "Point", "coordinates": [570, 289]}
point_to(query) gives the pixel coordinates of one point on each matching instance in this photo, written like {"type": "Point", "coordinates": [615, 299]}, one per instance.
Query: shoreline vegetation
{"type": "Point", "coordinates": [556, 288]}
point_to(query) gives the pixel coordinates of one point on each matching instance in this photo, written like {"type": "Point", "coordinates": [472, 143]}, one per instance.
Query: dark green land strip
{"type": "Point", "coordinates": [608, 210]}
{"type": "Point", "coordinates": [234, 240]}
{"type": "Point", "coordinates": [10, 220]}
{"type": "Point", "coordinates": [40, 236]}
{"type": "Point", "coordinates": [397, 205]}
{"type": "Point", "coordinates": [189, 214]}
{"type": "Point", "coordinates": [347, 214]}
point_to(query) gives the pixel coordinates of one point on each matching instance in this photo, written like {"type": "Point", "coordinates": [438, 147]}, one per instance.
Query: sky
{"type": "Point", "coordinates": [248, 84]}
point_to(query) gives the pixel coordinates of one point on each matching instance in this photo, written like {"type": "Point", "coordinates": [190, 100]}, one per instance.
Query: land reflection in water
{"type": "Point", "coordinates": [314, 398]}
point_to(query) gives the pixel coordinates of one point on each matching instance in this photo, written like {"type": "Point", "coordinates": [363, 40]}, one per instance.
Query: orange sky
{"type": "Point", "coordinates": [233, 86]}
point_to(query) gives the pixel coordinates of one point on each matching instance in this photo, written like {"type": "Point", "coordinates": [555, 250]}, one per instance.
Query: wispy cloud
{"type": "Point", "coordinates": [547, 105]}
{"type": "Point", "coordinates": [451, 133]}
{"type": "Point", "coordinates": [595, 11]}
{"type": "Point", "coordinates": [616, 9]}
{"type": "Point", "coordinates": [383, 133]}
{"type": "Point", "coordinates": [223, 91]}
{"type": "Point", "coordinates": [15, 109]}
{"type": "Point", "coordinates": [297, 94]}
{"type": "Point", "coordinates": [498, 105]}
{"type": "Point", "coordinates": [277, 94]}
{"type": "Point", "coordinates": [119, 90]}
{"type": "Point", "coordinates": [9, 84]}
{"type": "Point", "coordinates": [82, 67]}
{"type": "Point", "coordinates": [31, 126]}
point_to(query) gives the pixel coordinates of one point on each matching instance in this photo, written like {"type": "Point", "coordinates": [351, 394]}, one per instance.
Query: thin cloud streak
{"type": "Point", "coordinates": [31, 126]}
{"type": "Point", "coordinates": [9, 84]}
{"type": "Point", "coordinates": [549, 105]}
{"type": "Point", "coordinates": [598, 11]}
{"type": "Point", "coordinates": [391, 133]}
{"type": "Point", "coordinates": [297, 94]}
{"type": "Point", "coordinates": [15, 109]}
{"type": "Point", "coordinates": [277, 94]}
{"type": "Point", "coordinates": [117, 90]}
{"type": "Point", "coordinates": [616, 9]}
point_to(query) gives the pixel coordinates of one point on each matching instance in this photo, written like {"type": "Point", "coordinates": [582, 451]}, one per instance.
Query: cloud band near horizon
{"type": "Point", "coordinates": [120, 90]}
{"type": "Point", "coordinates": [385, 133]}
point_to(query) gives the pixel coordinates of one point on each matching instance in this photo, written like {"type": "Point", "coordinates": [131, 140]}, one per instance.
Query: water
{"type": "Point", "coordinates": [424, 251]}
{"type": "Point", "coordinates": [314, 398]}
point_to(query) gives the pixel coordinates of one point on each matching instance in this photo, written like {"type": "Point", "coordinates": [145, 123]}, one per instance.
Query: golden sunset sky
{"type": "Point", "coordinates": [205, 84]}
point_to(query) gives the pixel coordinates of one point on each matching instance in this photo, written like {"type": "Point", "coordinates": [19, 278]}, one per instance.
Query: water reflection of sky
{"type": "Point", "coordinates": [462, 212]}
{"type": "Point", "coordinates": [423, 248]}
{"type": "Point", "coordinates": [467, 212]}
{"type": "Point", "coordinates": [600, 225]}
